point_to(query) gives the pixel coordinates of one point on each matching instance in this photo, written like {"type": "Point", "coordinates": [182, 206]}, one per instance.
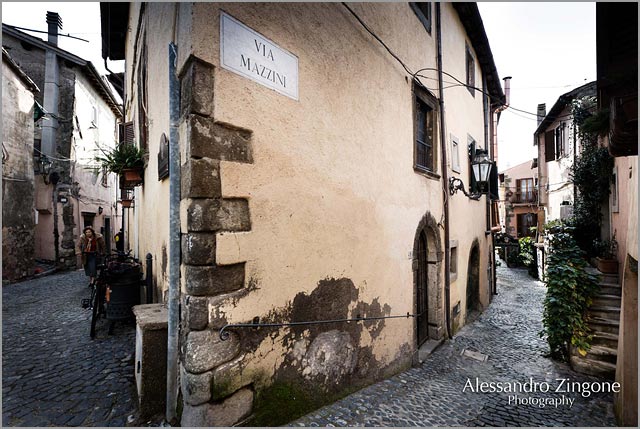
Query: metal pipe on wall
{"type": "Point", "coordinates": [445, 179]}
{"type": "Point", "coordinates": [174, 239]}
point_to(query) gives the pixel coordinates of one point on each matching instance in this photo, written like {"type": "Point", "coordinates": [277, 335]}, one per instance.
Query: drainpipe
{"type": "Point", "coordinates": [494, 156]}
{"type": "Point", "coordinates": [174, 239]}
{"type": "Point", "coordinates": [445, 178]}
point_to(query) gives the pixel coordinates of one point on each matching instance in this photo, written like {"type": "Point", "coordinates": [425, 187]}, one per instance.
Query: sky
{"type": "Point", "coordinates": [78, 19]}
{"type": "Point", "coordinates": [547, 48]}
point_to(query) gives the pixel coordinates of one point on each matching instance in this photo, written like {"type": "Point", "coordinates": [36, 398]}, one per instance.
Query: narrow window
{"type": "Point", "coordinates": [471, 71]}
{"type": "Point", "coordinates": [425, 119]}
{"type": "Point", "coordinates": [455, 154]}
{"type": "Point", "coordinates": [423, 12]}
{"type": "Point", "coordinates": [453, 260]}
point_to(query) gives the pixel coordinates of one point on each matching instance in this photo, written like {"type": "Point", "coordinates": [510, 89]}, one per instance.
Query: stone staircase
{"type": "Point", "coordinates": [604, 321]}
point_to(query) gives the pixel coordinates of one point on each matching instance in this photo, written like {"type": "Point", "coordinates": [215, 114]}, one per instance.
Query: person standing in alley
{"type": "Point", "coordinates": [119, 239]}
{"type": "Point", "coordinates": [93, 247]}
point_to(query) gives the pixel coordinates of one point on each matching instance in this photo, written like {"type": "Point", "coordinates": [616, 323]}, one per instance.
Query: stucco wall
{"type": "Point", "coordinates": [17, 176]}
{"type": "Point", "coordinates": [555, 183]}
{"type": "Point", "coordinates": [310, 206]}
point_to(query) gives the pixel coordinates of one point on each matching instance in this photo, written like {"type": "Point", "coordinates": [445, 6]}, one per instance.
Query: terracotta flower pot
{"type": "Point", "coordinates": [130, 178]}
{"type": "Point", "coordinates": [126, 203]}
{"type": "Point", "coordinates": [607, 266]}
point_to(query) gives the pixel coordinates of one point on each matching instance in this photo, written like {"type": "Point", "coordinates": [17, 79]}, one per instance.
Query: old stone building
{"type": "Point", "coordinates": [17, 170]}
{"type": "Point", "coordinates": [317, 145]}
{"type": "Point", "coordinates": [81, 118]}
{"type": "Point", "coordinates": [558, 146]}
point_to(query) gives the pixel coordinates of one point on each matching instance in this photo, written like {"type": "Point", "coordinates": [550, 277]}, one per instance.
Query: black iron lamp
{"type": "Point", "coordinates": [481, 167]}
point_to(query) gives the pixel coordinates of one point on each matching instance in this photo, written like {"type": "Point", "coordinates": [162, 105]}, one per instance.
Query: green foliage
{"type": "Point", "coordinates": [121, 157]}
{"type": "Point", "coordinates": [570, 290]}
{"type": "Point", "coordinates": [592, 174]}
{"type": "Point", "coordinates": [597, 124]}
{"type": "Point", "coordinates": [605, 248]}
{"type": "Point", "coordinates": [528, 255]}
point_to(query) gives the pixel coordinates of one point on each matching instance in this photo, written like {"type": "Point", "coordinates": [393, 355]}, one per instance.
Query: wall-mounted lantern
{"type": "Point", "coordinates": [481, 168]}
{"type": "Point", "coordinates": [100, 210]}
{"type": "Point", "coordinates": [45, 168]}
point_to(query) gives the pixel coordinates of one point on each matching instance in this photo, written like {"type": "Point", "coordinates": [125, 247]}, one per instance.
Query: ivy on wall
{"type": "Point", "coordinates": [591, 173]}
{"type": "Point", "coordinates": [570, 291]}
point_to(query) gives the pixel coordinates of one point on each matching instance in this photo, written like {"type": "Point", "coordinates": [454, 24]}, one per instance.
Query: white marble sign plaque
{"type": "Point", "coordinates": [247, 53]}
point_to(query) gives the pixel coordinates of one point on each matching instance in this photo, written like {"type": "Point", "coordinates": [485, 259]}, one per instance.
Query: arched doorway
{"type": "Point", "coordinates": [473, 280]}
{"type": "Point", "coordinates": [422, 290]}
{"type": "Point", "coordinates": [427, 264]}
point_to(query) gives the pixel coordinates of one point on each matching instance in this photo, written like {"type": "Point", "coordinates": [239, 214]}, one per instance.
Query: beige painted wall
{"type": "Point", "coordinates": [464, 117]}
{"type": "Point", "coordinates": [332, 191]}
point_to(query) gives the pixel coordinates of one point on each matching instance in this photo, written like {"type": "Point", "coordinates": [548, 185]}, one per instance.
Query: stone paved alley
{"type": "Point", "coordinates": [53, 374]}
{"type": "Point", "coordinates": [432, 394]}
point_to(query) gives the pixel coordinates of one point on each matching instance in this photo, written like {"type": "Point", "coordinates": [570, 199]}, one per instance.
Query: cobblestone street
{"type": "Point", "coordinates": [432, 394]}
{"type": "Point", "coordinates": [53, 374]}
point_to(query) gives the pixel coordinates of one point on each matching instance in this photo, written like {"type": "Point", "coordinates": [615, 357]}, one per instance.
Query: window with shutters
{"type": "Point", "coordinates": [425, 155]}
{"type": "Point", "coordinates": [525, 192]}
{"type": "Point", "coordinates": [559, 140]}
{"type": "Point", "coordinates": [142, 97]}
{"type": "Point", "coordinates": [126, 133]}
{"type": "Point", "coordinates": [549, 146]}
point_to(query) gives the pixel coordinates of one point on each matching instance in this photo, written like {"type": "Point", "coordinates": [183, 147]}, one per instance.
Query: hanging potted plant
{"type": "Point", "coordinates": [127, 161]}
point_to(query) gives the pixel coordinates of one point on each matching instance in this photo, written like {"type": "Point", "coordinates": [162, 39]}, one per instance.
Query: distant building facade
{"type": "Point", "coordinates": [82, 113]}
{"type": "Point", "coordinates": [519, 200]}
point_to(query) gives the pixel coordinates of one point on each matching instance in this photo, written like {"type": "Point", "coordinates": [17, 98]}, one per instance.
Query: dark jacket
{"type": "Point", "coordinates": [101, 246]}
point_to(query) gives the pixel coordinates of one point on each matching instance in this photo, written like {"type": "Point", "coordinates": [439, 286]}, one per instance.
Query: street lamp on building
{"type": "Point", "coordinates": [481, 168]}
{"type": "Point", "coordinates": [45, 168]}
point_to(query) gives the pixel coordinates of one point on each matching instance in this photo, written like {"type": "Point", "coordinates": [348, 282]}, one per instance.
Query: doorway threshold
{"type": "Point", "coordinates": [427, 348]}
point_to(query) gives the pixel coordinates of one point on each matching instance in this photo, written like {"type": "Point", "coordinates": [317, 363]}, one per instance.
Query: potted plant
{"type": "Point", "coordinates": [606, 260]}
{"type": "Point", "coordinates": [127, 161]}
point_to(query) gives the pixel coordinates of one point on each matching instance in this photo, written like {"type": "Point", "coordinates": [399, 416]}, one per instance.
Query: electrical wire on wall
{"type": "Point", "coordinates": [417, 74]}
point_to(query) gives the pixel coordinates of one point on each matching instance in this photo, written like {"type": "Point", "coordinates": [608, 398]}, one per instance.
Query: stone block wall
{"type": "Point", "coordinates": [205, 143]}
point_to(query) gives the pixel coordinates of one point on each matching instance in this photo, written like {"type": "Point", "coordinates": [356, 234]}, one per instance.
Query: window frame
{"type": "Point", "coordinates": [425, 19]}
{"type": "Point", "coordinates": [470, 69]}
{"type": "Point", "coordinates": [455, 154]}
{"type": "Point", "coordinates": [422, 96]}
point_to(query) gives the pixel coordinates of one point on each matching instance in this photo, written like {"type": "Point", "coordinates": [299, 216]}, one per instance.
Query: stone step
{"type": "Point", "coordinates": [602, 354]}
{"type": "Point", "coordinates": [610, 313]}
{"type": "Point", "coordinates": [604, 325]}
{"type": "Point", "coordinates": [604, 300]}
{"type": "Point", "coordinates": [593, 367]}
{"type": "Point", "coordinates": [610, 289]}
{"type": "Point", "coordinates": [606, 339]}
{"type": "Point", "coordinates": [608, 278]}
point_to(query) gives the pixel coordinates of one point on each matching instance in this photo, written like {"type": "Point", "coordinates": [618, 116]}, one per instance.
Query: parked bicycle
{"type": "Point", "coordinates": [115, 290]}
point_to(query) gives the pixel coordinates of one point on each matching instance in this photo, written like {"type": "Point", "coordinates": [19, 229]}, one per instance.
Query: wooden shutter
{"type": "Point", "coordinates": [493, 182]}
{"type": "Point", "coordinates": [549, 146]}
{"type": "Point", "coordinates": [125, 133]}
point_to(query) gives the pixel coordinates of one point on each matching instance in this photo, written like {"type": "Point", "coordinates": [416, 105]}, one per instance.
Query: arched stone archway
{"type": "Point", "coordinates": [427, 281]}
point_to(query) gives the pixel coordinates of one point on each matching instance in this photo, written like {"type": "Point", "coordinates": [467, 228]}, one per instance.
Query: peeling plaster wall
{"type": "Point", "coordinates": [293, 210]}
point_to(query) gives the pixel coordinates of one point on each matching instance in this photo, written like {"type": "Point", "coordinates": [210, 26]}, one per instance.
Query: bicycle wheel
{"type": "Point", "coordinates": [97, 303]}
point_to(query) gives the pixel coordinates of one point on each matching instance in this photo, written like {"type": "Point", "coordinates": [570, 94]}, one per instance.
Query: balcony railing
{"type": "Point", "coordinates": [524, 197]}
